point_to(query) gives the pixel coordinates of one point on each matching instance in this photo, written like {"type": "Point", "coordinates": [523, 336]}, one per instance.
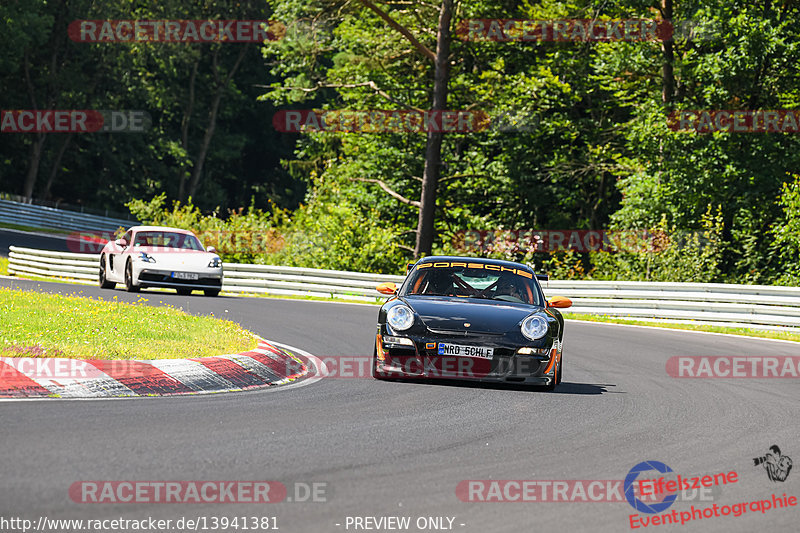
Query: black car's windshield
{"type": "Point", "coordinates": [166, 239]}
{"type": "Point", "coordinates": [472, 280]}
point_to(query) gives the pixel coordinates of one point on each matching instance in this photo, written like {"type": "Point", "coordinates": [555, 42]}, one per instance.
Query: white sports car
{"type": "Point", "coordinates": [155, 256]}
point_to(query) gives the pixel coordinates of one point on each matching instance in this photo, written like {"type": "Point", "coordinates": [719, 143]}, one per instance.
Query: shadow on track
{"type": "Point", "coordinates": [563, 388]}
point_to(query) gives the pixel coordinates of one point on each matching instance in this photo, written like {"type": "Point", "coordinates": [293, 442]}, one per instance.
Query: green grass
{"type": "Point", "coordinates": [3, 266]}
{"type": "Point", "coordinates": [766, 334]}
{"type": "Point", "coordinates": [52, 325]}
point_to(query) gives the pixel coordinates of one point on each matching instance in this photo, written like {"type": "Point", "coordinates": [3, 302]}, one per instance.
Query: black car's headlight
{"type": "Point", "coordinates": [215, 263]}
{"type": "Point", "coordinates": [144, 257]}
{"type": "Point", "coordinates": [534, 327]}
{"type": "Point", "coordinates": [400, 317]}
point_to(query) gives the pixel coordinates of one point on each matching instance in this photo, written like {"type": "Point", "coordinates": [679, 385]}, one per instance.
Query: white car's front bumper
{"type": "Point", "coordinates": [146, 276]}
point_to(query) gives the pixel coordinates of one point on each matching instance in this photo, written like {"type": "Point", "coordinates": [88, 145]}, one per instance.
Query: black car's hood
{"type": "Point", "coordinates": [483, 316]}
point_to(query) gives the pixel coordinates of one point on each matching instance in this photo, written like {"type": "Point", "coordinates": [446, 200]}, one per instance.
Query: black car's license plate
{"type": "Point", "coordinates": [465, 351]}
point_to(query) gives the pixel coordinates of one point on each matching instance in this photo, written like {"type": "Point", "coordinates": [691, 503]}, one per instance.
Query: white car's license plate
{"type": "Point", "coordinates": [465, 351]}
{"type": "Point", "coordinates": [185, 275]}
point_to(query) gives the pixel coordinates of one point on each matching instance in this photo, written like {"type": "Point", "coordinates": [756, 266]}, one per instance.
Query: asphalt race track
{"type": "Point", "coordinates": [401, 448]}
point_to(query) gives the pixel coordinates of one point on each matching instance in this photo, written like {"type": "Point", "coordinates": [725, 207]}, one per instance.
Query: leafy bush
{"type": "Point", "coordinates": [786, 233]}
{"type": "Point", "coordinates": [244, 236]}
{"type": "Point", "coordinates": [658, 254]}
{"type": "Point", "coordinates": [340, 238]}
{"type": "Point", "coordinates": [318, 235]}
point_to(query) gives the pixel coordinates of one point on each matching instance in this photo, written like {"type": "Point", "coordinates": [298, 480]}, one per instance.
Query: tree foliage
{"type": "Point", "coordinates": [592, 148]}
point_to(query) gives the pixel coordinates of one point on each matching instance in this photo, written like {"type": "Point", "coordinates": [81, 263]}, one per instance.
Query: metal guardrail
{"type": "Point", "coordinates": [241, 278]}
{"type": "Point", "coordinates": [65, 206]}
{"type": "Point", "coordinates": [37, 216]}
{"type": "Point", "coordinates": [750, 306]}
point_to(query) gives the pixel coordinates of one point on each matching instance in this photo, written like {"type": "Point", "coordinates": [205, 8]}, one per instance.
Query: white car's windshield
{"type": "Point", "coordinates": [166, 239]}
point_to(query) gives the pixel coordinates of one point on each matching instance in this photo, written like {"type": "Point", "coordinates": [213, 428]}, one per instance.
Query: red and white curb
{"type": "Point", "coordinates": [42, 377]}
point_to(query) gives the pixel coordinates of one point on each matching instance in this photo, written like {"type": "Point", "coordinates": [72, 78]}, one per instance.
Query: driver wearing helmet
{"type": "Point", "coordinates": [437, 283]}
{"type": "Point", "coordinates": [507, 286]}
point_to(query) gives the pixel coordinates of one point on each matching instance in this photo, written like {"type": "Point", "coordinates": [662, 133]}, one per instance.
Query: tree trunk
{"type": "Point", "coordinates": [212, 120]}
{"type": "Point", "coordinates": [54, 167]}
{"type": "Point", "coordinates": [187, 117]}
{"type": "Point", "coordinates": [51, 94]}
{"type": "Point", "coordinates": [33, 166]}
{"type": "Point", "coordinates": [433, 150]}
{"type": "Point", "coordinates": [667, 71]}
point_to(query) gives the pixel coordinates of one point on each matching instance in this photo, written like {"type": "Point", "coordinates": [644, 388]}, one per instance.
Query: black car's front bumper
{"type": "Point", "coordinates": [418, 357]}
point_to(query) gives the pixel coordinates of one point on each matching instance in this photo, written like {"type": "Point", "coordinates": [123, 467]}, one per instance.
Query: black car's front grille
{"type": "Point", "coordinates": [463, 333]}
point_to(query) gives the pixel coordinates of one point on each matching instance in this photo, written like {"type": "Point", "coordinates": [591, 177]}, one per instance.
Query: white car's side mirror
{"type": "Point", "coordinates": [211, 250]}
{"type": "Point", "coordinates": [121, 242]}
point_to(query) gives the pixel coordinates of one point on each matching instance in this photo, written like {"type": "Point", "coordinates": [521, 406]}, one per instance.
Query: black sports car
{"type": "Point", "coordinates": [467, 318]}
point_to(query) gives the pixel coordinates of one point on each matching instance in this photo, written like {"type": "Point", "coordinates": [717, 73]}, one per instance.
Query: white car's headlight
{"type": "Point", "coordinates": [534, 327]}
{"type": "Point", "coordinates": [146, 258]}
{"type": "Point", "coordinates": [400, 317]}
{"type": "Point", "coordinates": [215, 263]}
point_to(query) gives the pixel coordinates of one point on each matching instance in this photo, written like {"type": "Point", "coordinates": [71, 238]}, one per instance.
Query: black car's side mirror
{"type": "Point", "coordinates": [387, 288]}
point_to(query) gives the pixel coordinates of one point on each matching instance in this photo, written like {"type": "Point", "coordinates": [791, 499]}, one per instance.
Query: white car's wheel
{"type": "Point", "coordinates": [104, 283]}
{"type": "Point", "coordinates": [129, 286]}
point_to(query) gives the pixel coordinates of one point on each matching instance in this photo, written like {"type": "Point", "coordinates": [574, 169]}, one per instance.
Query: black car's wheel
{"type": "Point", "coordinates": [211, 292]}
{"type": "Point", "coordinates": [556, 377]}
{"type": "Point", "coordinates": [184, 292]}
{"type": "Point", "coordinates": [129, 286]}
{"type": "Point", "coordinates": [375, 372]}
{"type": "Point", "coordinates": [103, 282]}
{"type": "Point", "coordinates": [560, 369]}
